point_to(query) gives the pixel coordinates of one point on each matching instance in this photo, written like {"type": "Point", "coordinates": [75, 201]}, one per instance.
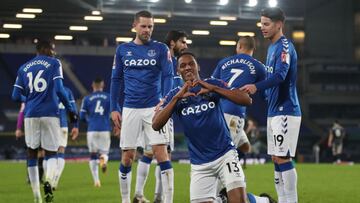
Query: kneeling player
{"type": "Point", "coordinates": [197, 106]}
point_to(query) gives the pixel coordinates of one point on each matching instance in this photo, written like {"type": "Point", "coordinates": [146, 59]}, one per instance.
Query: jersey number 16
{"type": "Point", "coordinates": [39, 84]}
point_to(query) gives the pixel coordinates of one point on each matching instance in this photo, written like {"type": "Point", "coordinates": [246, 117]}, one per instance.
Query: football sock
{"type": "Point", "coordinates": [289, 177]}
{"type": "Point", "coordinates": [256, 199]}
{"type": "Point", "coordinates": [125, 182]}
{"type": "Point", "coordinates": [44, 164]}
{"type": "Point", "coordinates": [167, 180]}
{"type": "Point", "coordinates": [51, 168]}
{"type": "Point", "coordinates": [94, 168]}
{"type": "Point", "coordinates": [158, 184]}
{"type": "Point", "coordinates": [60, 168]}
{"type": "Point", "coordinates": [279, 184]}
{"type": "Point", "coordinates": [33, 172]}
{"type": "Point", "coordinates": [142, 174]}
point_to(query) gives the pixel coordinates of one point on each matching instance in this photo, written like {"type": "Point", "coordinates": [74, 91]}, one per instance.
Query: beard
{"type": "Point", "coordinates": [144, 38]}
{"type": "Point", "coordinates": [177, 52]}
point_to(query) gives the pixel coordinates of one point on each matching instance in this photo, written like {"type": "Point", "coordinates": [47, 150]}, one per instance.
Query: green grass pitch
{"type": "Point", "coordinates": [323, 183]}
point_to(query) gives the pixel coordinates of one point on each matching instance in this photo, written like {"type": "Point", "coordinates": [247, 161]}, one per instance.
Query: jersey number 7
{"type": "Point", "coordinates": [237, 73]}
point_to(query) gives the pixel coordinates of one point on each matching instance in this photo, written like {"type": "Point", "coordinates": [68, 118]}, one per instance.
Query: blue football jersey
{"type": "Point", "coordinates": [62, 110]}
{"type": "Point", "coordinates": [280, 83]}
{"type": "Point", "coordinates": [178, 81]}
{"type": "Point", "coordinates": [237, 71]}
{"type": "Point", "coordinates": [36, 81]}
{"type": "Point", "coordinates": [141, 68]}
{"type": "Point", "coordinates": [204, 124]}
{"type": "Point", "coordinates": [95, 109]}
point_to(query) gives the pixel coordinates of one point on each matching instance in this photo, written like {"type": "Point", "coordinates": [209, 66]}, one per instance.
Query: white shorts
{"type": "Point", "coordinates": [98, 141]}
{"type": "Point", "coordinates": [282, 135]}
{"type": "Point", "coordinates": [63, 137]}
{"type": "Point", "coordinates": [136, 123]}
{"type": "Point", "coordinates": [167, 129]}
{"type": "Point", "coordinates": [44, 132]}
{"type": "Point", "coordinates": [236, 127]}
{"type": "Point", "coordinates": [204, 177]}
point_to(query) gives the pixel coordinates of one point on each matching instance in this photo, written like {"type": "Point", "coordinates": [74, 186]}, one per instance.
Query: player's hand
{"type": "Point", "coordinates": [184, 91]}
{"type": "Point", "coordinates": [116, 131]}
{"type": "Point", "coordinates": [205, 87]}
{"type": "Point", "coordinates": [116, 118]}
{"type": "Point", "coordinates": [249, 88]}
{"type": "Point", "coordinates": [157, 108]}
{"type": "Point", "coordinates": [74, 133]}
{"type": "Point", "coordinates": [18, 133]}
{"type": "Point", "coordinates": [73, 117]}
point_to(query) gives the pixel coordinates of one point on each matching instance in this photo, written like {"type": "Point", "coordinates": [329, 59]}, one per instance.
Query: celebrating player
{"type": "Point", "coordinates": [95, 110]}
{"type": "Point", "coordinates": [284, 114]}
{"type": "Point", "coordinates": [39, 83]}
{"type": "Point", "coordinates": [197, 104]}
{"type": "Point", "coordinates": [137, 71]}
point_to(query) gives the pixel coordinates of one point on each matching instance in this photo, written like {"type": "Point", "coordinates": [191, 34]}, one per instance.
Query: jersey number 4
{"type": "Point", "coordinates": [39, 83]}
{"type": "Point", "coordinates": [237, 73]}
{"type": "Point", "coordinates": [98, 108]}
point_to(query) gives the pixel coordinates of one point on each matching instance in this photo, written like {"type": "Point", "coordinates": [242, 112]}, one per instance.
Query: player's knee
{"type": "Point", "coordinates": [148, 154]}
{"type": "Point", "coordinates": [237, 195]}
{"type": "Point", "coordinates": [160, 152]}
{"type": "Point", "coordinates": [50, 153]}
{"type": "Point", "coordinates": [280, 159]}
{"type": "Point", "coordinates": [127, 157]}
{"type": "Point", "coordinates": [32, 153]}
{"type": "Point", "coordinates": [61, 149]}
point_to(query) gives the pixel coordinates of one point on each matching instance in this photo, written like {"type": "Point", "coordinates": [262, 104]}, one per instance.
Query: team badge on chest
{"type": "Point", "coordinates": [151, 53]}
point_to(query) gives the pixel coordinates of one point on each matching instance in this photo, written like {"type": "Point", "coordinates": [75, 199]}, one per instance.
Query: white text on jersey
{"type": "Point", "coordinates": [37, 62]}
{"type": "Point", "coordinates": [197, 108]}
{"type": "Point", "coordinates": [140, 62]}
{"type": "Point", "coordinates": [242, 61]}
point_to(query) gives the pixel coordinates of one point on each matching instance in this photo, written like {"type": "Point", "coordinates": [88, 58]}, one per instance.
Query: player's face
{"type": "Point", "coordinates": [180, 46]}
{"type": "Point", "coordinates": [269, 28]}
{"type": "Point", "coordinates": [188, 68]}
{"type": "Point", "coordinates": [144, 28]}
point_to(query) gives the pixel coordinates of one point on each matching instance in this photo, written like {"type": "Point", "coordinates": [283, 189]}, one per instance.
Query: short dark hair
{"type": "Point", "coordinates": [43, 44]}
{"type": "Point", "coordinates": [174, 35]}
{"type": "Point", "coordinates": [98, 80]}
{"type": "Point", "coordinates": [248, 42]}
{"type": "Point", "coordinates": [186, 53]}
{"type": "Point", "coordinates": [143, 13]}
{"type": "Point", "coordinates": [274, 13]}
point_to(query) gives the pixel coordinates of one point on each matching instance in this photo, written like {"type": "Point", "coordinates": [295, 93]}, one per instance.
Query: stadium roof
{"type": "Point", "coordinates": [58, 15]}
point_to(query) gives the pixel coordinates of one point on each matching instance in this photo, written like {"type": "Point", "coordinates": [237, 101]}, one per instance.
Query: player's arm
{"type": "Point", "coordinates": [235, 95]}
{"type": "Point", "coordinates": [116, 89]}
{"type": "Point", "coordinates": [73, 104]}
{"type": "Point", "coordinates": [281, 69]}
{"type": "Point", "coordinates": [20, 122]}
{"type": "Point", "coordinates": [162, 115]}
{"type": "Point", "coordinates": [331, 137]}
{"type": "Point", "coordinates": [83, 110]}
{"type": "Point", "coordinates": [17, 93]}
{"type": "Point", "coordinates": [167, 73]}
{"type": "Point", "coordinates": [75, 129]}
{"type": "Point", "coordinates": [61, 92]}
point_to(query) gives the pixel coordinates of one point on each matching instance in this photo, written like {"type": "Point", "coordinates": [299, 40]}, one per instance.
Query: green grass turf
{"type": "Point", "coordinates": [324, 183]}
